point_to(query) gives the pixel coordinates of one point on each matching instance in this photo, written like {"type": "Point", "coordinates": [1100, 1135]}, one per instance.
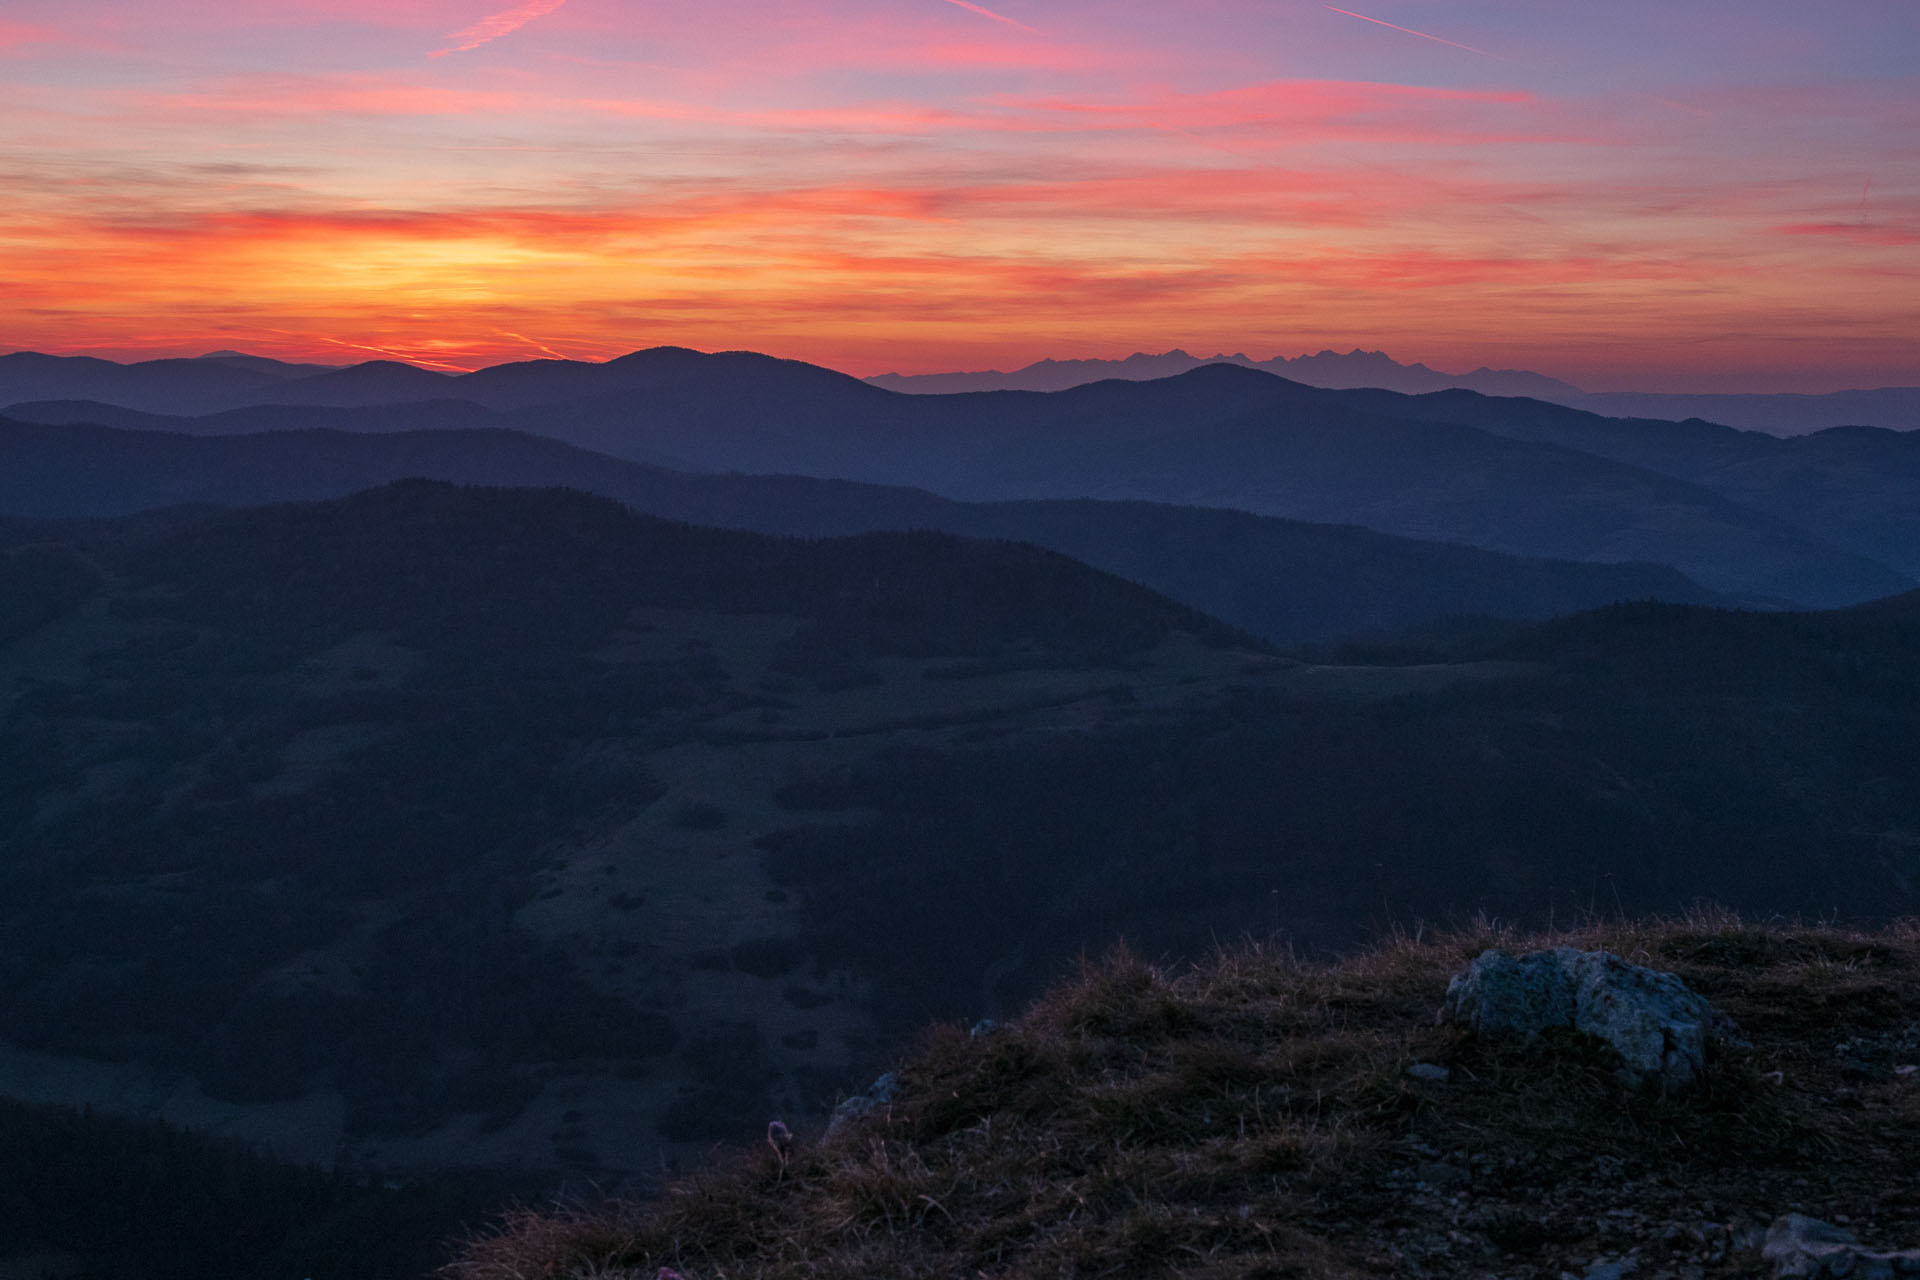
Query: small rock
{"type": "Point", "coordinates": [1441, 1176]}
{"type": "Point", "coordinates": [1907, 1070]}
{"type": "Point", "coordinates": [878, 1094]}
{"type": "Point", "coordinates": [1617, 1269]}
{"type": "Point", "coordinates": [1429, 1071]}
{"type": "Point", "coordinates": [1799, 1246]}
{"type": "Point", "coordinates": [984, 1027]}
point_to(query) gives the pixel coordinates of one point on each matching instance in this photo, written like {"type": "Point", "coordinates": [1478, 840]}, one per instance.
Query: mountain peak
{"type": "Point", "coordinates": [666, 351]}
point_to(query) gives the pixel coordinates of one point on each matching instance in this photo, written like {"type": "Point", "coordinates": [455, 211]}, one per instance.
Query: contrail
{"type": "Point", "coordinates": [384, 351]}
{"type": "Point", "coordinates": [997, 17]}
{"type": "Point", "coordinates": [498, 25]}
{"type": "Point", "coordinates": [1409, 30]}
{"type": "Point", "coordinates": [537, 346]}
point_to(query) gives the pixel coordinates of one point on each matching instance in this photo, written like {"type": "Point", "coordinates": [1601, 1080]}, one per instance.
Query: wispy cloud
{"type": "Point", "coordinates": [12, 33]}
{"type": "Point", "coordinates": [22, 37]}
{"type": "Point", "coordinates": [1859, 232]}
{"type": "Point", "coordinates": [997, 17]}
{"type": "Point", "coordinates": [498, 25]}
{"type": "Point", "coordinates": [1410, 31]}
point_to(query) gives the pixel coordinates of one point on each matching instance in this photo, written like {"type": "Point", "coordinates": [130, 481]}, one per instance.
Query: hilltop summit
{"type": "Point", "coordinates": [1257, 1116]}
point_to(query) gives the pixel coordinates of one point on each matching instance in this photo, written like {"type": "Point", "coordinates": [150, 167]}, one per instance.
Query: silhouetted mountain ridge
{"type": "Point", "coordinates": [1458, 468]}
{"type": "Point", "coordinates": [1292, 582]}
{"type": "Point", "coordinates": [1779, 413]}
{"type": "Point", "coordinates": [1327, 368]}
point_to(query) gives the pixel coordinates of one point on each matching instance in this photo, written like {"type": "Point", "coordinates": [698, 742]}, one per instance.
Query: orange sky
{"type": "Point", "coordinates": [1688, 197]}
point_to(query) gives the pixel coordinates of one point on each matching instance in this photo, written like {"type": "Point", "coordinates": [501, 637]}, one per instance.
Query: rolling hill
{"type": "Point", "coordinates": [1291, 582]}
{"type": "Point", "coordinates": [1850, 487]}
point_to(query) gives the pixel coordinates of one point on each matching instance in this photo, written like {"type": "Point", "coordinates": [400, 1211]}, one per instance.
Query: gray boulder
{"type": "Point", "coordinates": [860, 1105]}
{"type": "Point", "coordinates": [1657, 1024]}
{"type": "Point", "coordinates": [1801, 1246]}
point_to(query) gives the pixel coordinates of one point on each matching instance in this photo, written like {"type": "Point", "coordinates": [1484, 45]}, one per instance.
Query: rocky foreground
{"type": "Point", "coordinates": [1261, 1116]}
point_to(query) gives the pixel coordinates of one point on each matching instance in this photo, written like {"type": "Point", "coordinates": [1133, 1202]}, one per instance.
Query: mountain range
{"type": "Point", "coordinates": [1330, 369]}
{"type": "Point", "coordinates": [1820, 520]}
{"type": "Point", "coordinates": [225, 380]}
{"type": "Point", "coordinates": [555, 770]}
{"type": "Point", "coordinates": [1785, 414]}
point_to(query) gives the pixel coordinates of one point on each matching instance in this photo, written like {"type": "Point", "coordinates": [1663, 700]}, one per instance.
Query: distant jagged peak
{"type": "Point", "coordinates": [1327, 368]}
{"type": "Point", "coordinates": [1357, 355]}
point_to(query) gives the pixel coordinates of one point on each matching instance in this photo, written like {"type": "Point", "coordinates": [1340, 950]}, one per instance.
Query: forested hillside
{"type": "Point", "coordinates": [510, 828]}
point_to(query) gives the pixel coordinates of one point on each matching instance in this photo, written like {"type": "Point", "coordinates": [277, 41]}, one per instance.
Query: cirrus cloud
{"type": "Point", "coordinates": [500, 24]}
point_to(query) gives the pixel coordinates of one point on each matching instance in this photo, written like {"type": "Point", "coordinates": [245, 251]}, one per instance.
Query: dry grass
{"type": "Point", "coordinates": [1252, 1117]}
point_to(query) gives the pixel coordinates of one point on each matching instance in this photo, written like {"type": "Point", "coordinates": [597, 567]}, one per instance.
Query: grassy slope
{"type": "Point", "coordinates": [1252, 1117]}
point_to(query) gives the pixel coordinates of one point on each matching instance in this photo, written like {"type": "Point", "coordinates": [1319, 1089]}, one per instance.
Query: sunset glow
{"type": "Point", "coordinates": [1633, 195]}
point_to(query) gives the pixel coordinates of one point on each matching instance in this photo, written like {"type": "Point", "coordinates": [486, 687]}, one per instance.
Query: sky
{"type": "Point", "coordinates": [1696, 195]}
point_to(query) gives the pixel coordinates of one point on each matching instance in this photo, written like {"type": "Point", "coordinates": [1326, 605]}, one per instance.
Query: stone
{"type": "Point", "coordinates": [1657, 1024]}
{"type": "Point", "coordinates": [1429, 1071]}
{"type": "Point", "coordinates": [1438, 1175]}
{"type": "Point", "coordinates": [1800, 1246]}
{"type": "Point", "coordinates": [1618, 1269]}
{"type": "Point", "coordinates": [878, 1094]}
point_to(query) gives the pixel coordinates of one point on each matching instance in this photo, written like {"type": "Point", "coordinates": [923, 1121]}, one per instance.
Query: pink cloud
{"type": "Point", "coordinates": [269, 97]}
{"type": "Point", "coordinates": [857, 179]}
{"type": "Point", "coordinates": [1858, 232]}
{"type": "Point", "coordinates": [1277, 114]}
{"type": "Point", "coordinates": [20, 35]}
{"type": "Point", "coordinates": [500, 24]}
{"type": "Point", "coordinates": [1014, 54]}
{"type": "Point", "coordinates": [1352, 110]}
